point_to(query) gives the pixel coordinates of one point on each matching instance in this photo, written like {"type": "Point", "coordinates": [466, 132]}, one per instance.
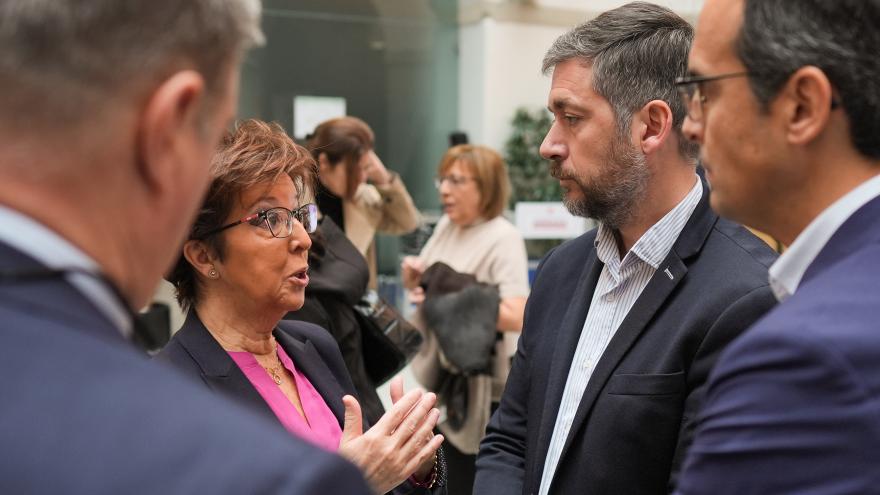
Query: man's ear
{"type": "Point", "coordinates": [654, 124]}
{"type": "Point", "coordinates": [168, 121]}
{"type": "Point", "coordinates": [200, 256]}
{"type": "Point", "coordinates": [805, 102]}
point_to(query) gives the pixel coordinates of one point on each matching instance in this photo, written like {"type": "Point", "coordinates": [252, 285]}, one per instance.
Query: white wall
{"type": "Point", "coordinates": [500, 70]}
{"type": "Point", "coordinates": [683, 7]}
{"type": "Point", "coordinates": [500, 57]}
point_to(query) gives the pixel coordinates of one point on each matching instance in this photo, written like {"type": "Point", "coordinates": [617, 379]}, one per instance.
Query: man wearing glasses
{"type": "Point", "coordinates": [784, 100]}
{"type": "Point", "coordinates": [625, 322]}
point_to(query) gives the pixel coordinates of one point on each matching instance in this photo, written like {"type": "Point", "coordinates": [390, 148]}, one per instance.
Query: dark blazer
{"type": "Point", "coordinates": [635, 419]}
{"type": "Point", "coordinates": [793, 406]}
{"type": "Point", "coordinates": [194, 351]}
{"type": "Point", "coordinates": [82, 411]}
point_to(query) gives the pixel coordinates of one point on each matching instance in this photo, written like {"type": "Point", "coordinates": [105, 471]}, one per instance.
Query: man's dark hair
{"type": "Point", "coordinates": [636, 52]}
{"type": "Point", "coordinates": [840, 37]}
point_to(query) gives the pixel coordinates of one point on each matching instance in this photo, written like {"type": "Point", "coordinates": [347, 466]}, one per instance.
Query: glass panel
{"type": "Point", "coordinates": [394, 61]}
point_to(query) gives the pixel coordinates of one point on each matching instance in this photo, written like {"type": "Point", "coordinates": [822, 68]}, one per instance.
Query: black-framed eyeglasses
{"type": "Point", "coordinates": [454, 180]}
{"type": "Point", "coordinates": [690, 88]}
{"type": "Point", "coordinates": [278, 220]}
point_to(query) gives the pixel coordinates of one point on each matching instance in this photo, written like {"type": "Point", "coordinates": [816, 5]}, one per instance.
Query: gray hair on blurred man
{"type": "Point", "coordinates": [109, 113]}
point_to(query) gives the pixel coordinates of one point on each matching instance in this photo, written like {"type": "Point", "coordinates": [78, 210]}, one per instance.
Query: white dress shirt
{"type": "Point", "coordinates": [787, 271]}
{"type": "Point", "coordinates": [620, 284]}
{"type": "Point", "coordinates": [42, 244]}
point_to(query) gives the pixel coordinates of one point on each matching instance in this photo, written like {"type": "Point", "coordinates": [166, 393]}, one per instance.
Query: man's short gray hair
{"type": "Point", "coordinates": [61, 60]}
{"type": "Point", "coordinates": [636, 52]}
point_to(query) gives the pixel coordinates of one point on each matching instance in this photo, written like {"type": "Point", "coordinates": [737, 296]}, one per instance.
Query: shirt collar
{"type": "Point", "coordinates": [786, 273]}
{"type": "Point", "coordinates": [653, 246]}
{"type": "Point", "coordinates": [44, 245]}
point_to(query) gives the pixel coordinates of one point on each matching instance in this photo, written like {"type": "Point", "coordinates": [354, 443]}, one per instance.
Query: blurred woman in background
{"type": "Point", "coordinates": [473, 238]}
{"type": "Point", "coordinates": [344, 150]}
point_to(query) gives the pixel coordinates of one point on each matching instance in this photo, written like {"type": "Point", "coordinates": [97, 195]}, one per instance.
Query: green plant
{"type": "Point", "coordinates": [530, 178]}
{"type": "Point", "coordinates": [529, 173]}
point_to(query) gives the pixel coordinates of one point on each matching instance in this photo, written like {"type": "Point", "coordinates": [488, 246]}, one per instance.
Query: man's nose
{"type": "Point", "coordinates": [692, 131]}
{"type": "Point", "coordinates": [551, 148]}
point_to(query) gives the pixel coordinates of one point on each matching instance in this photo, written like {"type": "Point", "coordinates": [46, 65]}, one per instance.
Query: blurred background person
{"type": "Point", "coordinates": [343, 149]}
{"type": "Point", "coordinates": [109, 114]}
{"type": "Point", "coordinates": [244, 267]}
{"type": "Point", "coordinates": [473, 237]}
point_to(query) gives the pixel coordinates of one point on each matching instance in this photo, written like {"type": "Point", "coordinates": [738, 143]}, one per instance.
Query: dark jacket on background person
{"type": "Point", "coordinates": [338, 277]}
{"type": "Point", "coordinates": [462, 313]}
{"type": "Point", "coordinates": [195, 352]}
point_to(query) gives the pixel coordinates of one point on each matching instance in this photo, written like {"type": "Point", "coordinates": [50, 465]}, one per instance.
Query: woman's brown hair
{"type": "Point", "coordinates": [256, 152]}
{"type": "Point", "coordinates": [344, 140]}
{"type": "Point", "coordinates": [489, 171]}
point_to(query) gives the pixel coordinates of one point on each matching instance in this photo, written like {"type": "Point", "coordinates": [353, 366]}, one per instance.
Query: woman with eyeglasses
{"type": "Point", "coordinates": [243, 268]}
{"type": "Point", "coordinates": [472, 237]}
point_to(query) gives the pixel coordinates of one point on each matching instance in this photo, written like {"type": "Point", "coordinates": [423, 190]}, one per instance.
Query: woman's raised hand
{"type": "Point", "coordinates": [377, 173]}
{"type": "Point", "coordinates": [411, 269]}
{"type": "Point", "coordinates": [401, 443]}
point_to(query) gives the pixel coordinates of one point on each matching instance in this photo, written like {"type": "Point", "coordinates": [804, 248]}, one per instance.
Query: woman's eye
{"type": "Point", "coordinates": [257, 221]}
{"type": "Point", "coordinates": [274, 219]}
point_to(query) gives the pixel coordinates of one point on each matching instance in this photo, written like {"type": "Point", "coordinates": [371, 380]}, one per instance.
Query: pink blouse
{"type": "Point", "coordinates": [321, 429]}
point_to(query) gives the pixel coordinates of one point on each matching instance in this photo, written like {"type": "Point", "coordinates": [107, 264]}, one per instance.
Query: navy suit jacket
{"type": "Point", "coordinates": [794, 405]}
{"type": "Point", "coordinates": [312, 349]}
{"type": "Point", "coordinates": [82, 411]}
{"type": "Point", "coordinates": [635, 419]}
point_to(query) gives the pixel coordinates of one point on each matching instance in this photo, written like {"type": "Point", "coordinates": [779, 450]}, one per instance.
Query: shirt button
{"type": "Point", "coordinates": [609, 297]}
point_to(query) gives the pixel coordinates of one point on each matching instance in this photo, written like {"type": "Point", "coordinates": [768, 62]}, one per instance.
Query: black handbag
{"type": "Point", "coordinates": [389, 341]}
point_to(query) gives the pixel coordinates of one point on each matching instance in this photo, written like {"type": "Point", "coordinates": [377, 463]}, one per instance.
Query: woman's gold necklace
{"type": "Point", "coordinates": [274, 370]}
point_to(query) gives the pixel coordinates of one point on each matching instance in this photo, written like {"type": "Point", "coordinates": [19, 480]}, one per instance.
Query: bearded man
{"type": "Point", "coordinates": [624, 323]}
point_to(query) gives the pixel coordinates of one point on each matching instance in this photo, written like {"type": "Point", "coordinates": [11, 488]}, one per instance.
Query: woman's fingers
{"type": "Point", "coordinates": [417, 295]}
{"type": "Point", "coordinates": [419, 415]}
{"type": "Point", "coordinates": [396, 389]}
{"type": "Point", "coordinates": [425, 454]}
{"type": "Point", "coordinates": [354, 426]}
{"type": "Point", "coordinates": [423, 434]}
{"type": "Point", "coordinates": [391, 420]}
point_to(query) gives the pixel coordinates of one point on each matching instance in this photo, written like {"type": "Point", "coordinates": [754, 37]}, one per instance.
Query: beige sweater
{"type": "Point", "coordinates": [492, 251]}
{"type": "Point", "coordinates": [388, 209]}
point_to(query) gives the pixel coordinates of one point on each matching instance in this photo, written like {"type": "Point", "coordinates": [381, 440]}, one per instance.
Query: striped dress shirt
{"type": "Point", "coordinates": [620, 284]}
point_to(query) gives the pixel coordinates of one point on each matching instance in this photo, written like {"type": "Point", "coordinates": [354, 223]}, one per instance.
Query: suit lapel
{"type": "Point", "coordinates": [219, 371]}
{"type": "Point", "coordinates": [859, 230]}
{"type": "Point", "coordinates": [307, 360]}
{"type": "Point", "coordinates": [563, 353]}
{"type": "Point", "coordinates": [652, 298]}
{"type": "Point", "coordinates": [667, 277]}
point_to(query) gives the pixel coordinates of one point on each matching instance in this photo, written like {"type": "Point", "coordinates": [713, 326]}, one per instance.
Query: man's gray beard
{"type": "Point", "coordinates": [611, 197]}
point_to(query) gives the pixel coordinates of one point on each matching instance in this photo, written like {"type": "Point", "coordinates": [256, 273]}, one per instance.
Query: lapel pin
{"type": "Point", "coordinates": [668, 273]}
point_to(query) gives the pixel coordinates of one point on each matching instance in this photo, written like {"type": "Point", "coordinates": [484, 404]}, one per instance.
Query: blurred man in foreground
{"type": "Point", "coordinates": [109, 113]}
{"type": "Point", "coordinates": [784, 99]}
